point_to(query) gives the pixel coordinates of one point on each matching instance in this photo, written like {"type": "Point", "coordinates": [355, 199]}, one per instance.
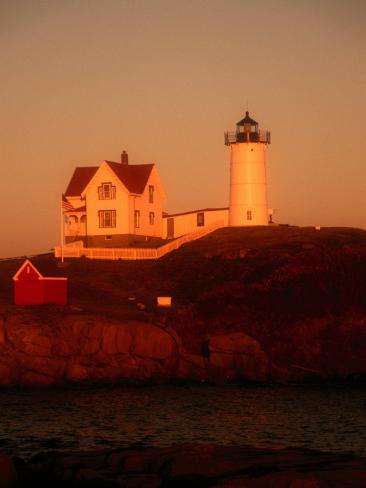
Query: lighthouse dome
{"type": "Point", "coordinates": [247, 120]}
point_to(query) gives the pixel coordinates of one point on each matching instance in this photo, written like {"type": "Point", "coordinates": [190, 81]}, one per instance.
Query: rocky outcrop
{"type": "Point", "coordinates": [76, 347]}
{"type": "Point", "coordinates": [79, 348]}
{"type": "Point", "coordinates": [250, 303]}
{"type": "Point", "coordinates": [194, 465]}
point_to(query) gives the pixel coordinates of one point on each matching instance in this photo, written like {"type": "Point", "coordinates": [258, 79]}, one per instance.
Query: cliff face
{"type": "Point", "coordinates": [90, 348]}
{"type": "Point", "coordinates": [79, 348]}
{"type": "Point", "coordinates": [282, 304]}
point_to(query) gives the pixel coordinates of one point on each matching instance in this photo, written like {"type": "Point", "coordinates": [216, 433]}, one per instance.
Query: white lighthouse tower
{"type": "Point", "coordinates": [248, 184]}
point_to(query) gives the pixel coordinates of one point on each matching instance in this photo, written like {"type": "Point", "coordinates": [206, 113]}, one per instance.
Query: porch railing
{"type": "Point", "coordinates": [134, 253]}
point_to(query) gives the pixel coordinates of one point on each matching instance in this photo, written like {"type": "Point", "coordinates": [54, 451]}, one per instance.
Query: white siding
{"type": "Point", "coordinates": [94, 205]}
{"type": "Point", "coordinates": [187, 222]}
{"type": "Point", "coordinates": [142, 204]}
{"type": "Point", "coordinates": [248, 185]}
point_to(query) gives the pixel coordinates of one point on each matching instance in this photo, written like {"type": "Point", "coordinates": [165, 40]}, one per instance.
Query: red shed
{"type": "Point", "coordinates": [31, 288]}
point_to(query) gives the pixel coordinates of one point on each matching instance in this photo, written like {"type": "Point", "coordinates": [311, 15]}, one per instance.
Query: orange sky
{"type": "Point", "coordinates": [80, 81]}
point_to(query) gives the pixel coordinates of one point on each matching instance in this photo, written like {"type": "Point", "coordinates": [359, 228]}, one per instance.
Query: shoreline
{"type": "Point", "coordinates": [187, 465]}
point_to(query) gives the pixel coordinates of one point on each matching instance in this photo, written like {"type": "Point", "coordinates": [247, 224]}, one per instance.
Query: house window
{"type": "Point", "coordinates": [107, 238]}
{"type": "Point", "coordinates": [83, 219]}
{"type": "Point", "coordinates": [151, 218]}
{"type": "Point", "coordinates": [200, 219]}
{"type": "Point", "coordinates": [249, 215]}
{"type": "Point", "coordinates": [73, 219]}
{"type": "Point", "coordinates": [106, 191]}
{"type": "Point", "coordinates": [151, 193]}
{"type": "Point", "coordinates": [137, 219]}
{"type": "Point", "coordinates": [107, 218]}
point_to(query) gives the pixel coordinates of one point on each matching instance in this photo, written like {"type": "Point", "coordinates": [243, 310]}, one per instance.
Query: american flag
{"type": "Point", "coordinates": [66, 205]}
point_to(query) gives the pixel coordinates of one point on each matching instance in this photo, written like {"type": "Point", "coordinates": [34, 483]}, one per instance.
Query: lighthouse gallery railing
{"type": "Point", "coordinates": [259, 136]}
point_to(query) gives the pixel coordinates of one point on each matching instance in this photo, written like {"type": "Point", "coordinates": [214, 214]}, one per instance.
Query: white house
{"type": "Point", "coordinates": [114, 204]}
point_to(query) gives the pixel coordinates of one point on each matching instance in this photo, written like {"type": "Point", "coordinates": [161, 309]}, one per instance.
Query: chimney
{"type": "Point", "coordinates": [124, 157]}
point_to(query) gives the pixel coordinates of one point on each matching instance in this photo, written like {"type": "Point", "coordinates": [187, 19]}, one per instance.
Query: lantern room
{"type": "Point", "coordinates": [247, 131]}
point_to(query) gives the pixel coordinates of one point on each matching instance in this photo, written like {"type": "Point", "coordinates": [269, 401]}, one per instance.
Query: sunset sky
{"type": "Point", "coordinates": [83, 80]}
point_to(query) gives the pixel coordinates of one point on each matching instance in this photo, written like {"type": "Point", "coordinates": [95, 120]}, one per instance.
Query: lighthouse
{"type": "Point", "coordinates": [248, 184]}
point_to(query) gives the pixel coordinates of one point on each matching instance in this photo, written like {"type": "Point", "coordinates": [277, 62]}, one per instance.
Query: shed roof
{"type": "Point", "coordinates": [45, 268]}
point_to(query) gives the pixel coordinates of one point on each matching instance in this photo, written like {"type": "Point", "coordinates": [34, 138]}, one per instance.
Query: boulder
{"type": "Point", "coordinates": [233, 343]}
{"type": "Point", "coordinates": [151, 342]}
{"type": "Point", "coordinates": [192, 367]}
{"type": "Point", "coordinates": [77, 373]}
{"type": "Point", "coordinates": [237, 356]}
{"type": "Point", "coordinates": [31, 340]}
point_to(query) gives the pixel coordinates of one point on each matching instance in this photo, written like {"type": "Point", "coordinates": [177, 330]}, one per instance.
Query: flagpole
{"type": "Point", "coordinates": [65, 207]}
{"type": "Point", "coordinates": [62, 231]}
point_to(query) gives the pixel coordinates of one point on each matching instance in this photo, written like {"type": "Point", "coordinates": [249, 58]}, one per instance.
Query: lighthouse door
{"type": "Point", "coordinates": [170, 228]}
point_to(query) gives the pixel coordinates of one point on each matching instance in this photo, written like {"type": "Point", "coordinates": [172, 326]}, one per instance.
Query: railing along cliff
{"type": "Point", "coordinates": [134, 253]}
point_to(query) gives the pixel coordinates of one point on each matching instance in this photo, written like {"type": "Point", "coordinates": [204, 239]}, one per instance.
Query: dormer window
{"type": "Point", "coordinates": [106, 191]}
{"type": "Point", "coordinates": [151, 193]}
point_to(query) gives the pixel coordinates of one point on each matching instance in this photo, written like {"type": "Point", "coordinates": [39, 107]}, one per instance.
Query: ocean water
{"type": "Point", "coordinates": [318, 417]}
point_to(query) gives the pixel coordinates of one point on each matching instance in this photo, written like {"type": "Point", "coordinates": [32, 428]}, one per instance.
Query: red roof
{"type": "Point", "coordinates": [79, 180]}
{"type": "Point", "coordinates": [134, 177]}
{"type": "Point", "coordinates": [44, 268]}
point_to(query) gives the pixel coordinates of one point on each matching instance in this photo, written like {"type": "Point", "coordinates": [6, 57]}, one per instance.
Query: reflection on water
{"type": "Point", "coordinates": [331, 419]}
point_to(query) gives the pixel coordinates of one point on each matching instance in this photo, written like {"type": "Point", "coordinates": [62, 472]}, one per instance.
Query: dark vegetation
{"type": "Point", "coordinates": [269, 282]}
